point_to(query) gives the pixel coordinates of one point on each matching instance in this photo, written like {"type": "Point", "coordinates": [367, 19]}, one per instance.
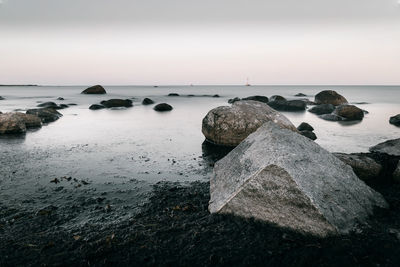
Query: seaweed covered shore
{"type": "Point", "coordinates": [175, 229]}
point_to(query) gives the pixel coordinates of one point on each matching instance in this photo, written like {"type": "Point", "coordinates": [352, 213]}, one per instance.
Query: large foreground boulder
{"type": "Point", "coordinates": [364, 167]}
{"type": "Point", "coordinates": [278, 176]}
{"type": "Point", "coordinates": [97, 89]}
{"type": "Point", "coordinates": [349, 112]}
{"type": "Point", "coordinates": [45, 114]}
{"type": "Point", "coordinates": [329, 97]}
{"type": "Point", "coordinates": [228, 126]}
{"type": "Point", "coordinates": [395, 120]}
{"type": "Point", "coordinates": [390, 147]}
{"type": "Point", "coordinates": [10, 123]}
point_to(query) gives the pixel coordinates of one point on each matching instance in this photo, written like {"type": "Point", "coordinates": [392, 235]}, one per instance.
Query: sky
{"type": "Point", "coordinates": [172, 42]}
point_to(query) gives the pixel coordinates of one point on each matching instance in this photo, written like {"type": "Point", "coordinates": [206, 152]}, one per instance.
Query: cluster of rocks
{"type": "Point", "coordinates": [17, 122]}
{"type": "Point", "coordinates": [331, 106]}
{"type": "Point", "coordinates": [307, 130]}
{"type": "Point", "coordinates": [277, 102]}
{"type": "Point", "coordinates": [52, 105]}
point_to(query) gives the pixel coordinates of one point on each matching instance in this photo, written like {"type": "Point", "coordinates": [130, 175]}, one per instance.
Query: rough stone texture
{"type": "Point", "coordinates": [395, 120]}
{"type": "Point", "coordinates": [258, 98]}
{"type": "Point", "coordinates": [390, 147]}
{"type": "Point", "coordinates": [230, 125]}
{"type": "Point", "coordinates": [45, 114]}
{"type": "Point", "coordinates": [97, 89]}
{"type": "Point", "coordinates": [96, 107]}
{"type": "Point", "coordinates": [288, 105]}
{"type": "Point", "coordinates": [396, 174]}
{"type": "Point", "coordinates": [277, 98]}
{"type": "Point", "coordinates": [10, 123]}
{"type": "Point", "coordinates": [308, 134]}
{"type": "Point", "coordinates": [31, 121]}
{"type": "Point", "coordinates": [277, 176]}
{"type": "Point", "coordinates": [116, 103]}
{"type": "Point", "coordinates": [147, 101]}
{"type": "Point", "coordinates": [304, 126]}
{"type": "Point", "coordinates": [349, 112]}
{"type": "Point", "coordinates": [331, 117]}
{"type": "Point", "coordinates": [330, 97]}
{"type": "Point", "coordinates": [322, 109]}
{"type": "Point", "coordinates": [163, 107]}
{"type": "Point", "coordinates": [364, 167]}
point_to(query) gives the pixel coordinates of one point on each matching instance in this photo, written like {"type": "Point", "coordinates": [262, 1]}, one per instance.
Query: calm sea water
{"type": "Point", "coordinates": [139, 143]}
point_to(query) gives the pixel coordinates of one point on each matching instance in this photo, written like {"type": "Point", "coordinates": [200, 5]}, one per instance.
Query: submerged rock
{"type": "Point", "coordinates": [230, 125]}
{"type": "Point", "coordinates": [147, 101]}
{"type": "Point", "coordinates": [10, 123]}
{"type": "Point", "coordinates": [300, 95]}
{"type": "Point", "coordinates": [96, 107]}
{"type": "Point", "coordinates": [60, 98]}
{"type": "Point", "coordinates": [277, 98]}
{"type": "Point", "coordinates": [163, 107]}
{"type": "Point", "coordinates": [322, 109]}
{"type": "Point", "coordinates": [395, 120]}
{"type": "Point", "coordinates": [45, 114]}
{"type": "Point", "coordinates": [390, 147]}
{"type": "Point", "coordinates": [216, 95]}
{"type": "Point", "coordinates": [277, 176]}
{"type": "Point", "coordinates": [97, 89]}
{"type": "Point", "coordinates": [349, 112]}
{"type": "Point", "coordinates": [173, 94]}
{"type": "Point", "coordinates": [364, 167]}
{"type": "Point", "coordinates": [116, 103]}
{"type": "Point", "coordinates": [304, 126]}
{"type": "Point", "coordinates": [330, 97]}
{"type": "Point", "coordinates": [258, 98]}
{"type": "Point", "coordinates": [233, 100]}
{"type": "Point", "coordinates": [288, 105]}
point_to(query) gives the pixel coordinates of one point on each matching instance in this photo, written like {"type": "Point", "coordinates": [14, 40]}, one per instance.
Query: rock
{"type": "Point", "coordinates": [116, 103]}
{"type": "Point", "coordinates": [233, 100]}
{"type": "Point", "coordinates": [304, 126]}
{"type": "Point", "coordinates": [277, 176]}
{"type": "Point", "coordinates": [173, 94]}
{"type": "Point", "coordinates": [258, 98]}
{"type": "Point", "coordinates": [288, 105]}
{"type": "Point", "coordinates": [322, 109]}
{"type": "Point", "coordinates": [308, 134]}
{"type": "Point", "coordinates": [330, 97]}
{"type": "Point", "coordinates": [72, 104]}
{"type": "Point", "coordinates": [331, 117]}
{"type": "Point", "coordinates": [45, 114]}
{"type": "Point", "coordinates": [62, 106]}
{"type": "Point", "coordinates": [48, 105]}
{"type": "Point", "coordinates": [395, 120]}
{"type": "Point", "coordinates": [396, 174]}
{"type": "Point", "coordinates": [215, 95]}
{"type": "Point", "coordinates": [147, 101]}
{"type": "Point", "coordinates": [300, 95]}
{"type": "Point", "coordinates": [163, 107]}
{"type": "Point", "coordinates": [2, 98]}
{"type": "Point", "coordinates": [364, 167]}
{"type": "Point", "coordinates": [96, 107]}
{"type": "Point", "coordinates": [349, 112]}
{"type": "Point", "coordinates": [390, 147]}
{"type": "Point", "coordinates": [31, 121]}
{"type": "Point", "coordinates": [10, 123]}
{"type": "Point", "coordinates": [230, 125]}
{"type": "Point", "coordinates": [60, 98]}
{"type": "Point", "coordinates": [1, 112]}
{"type": "Point", "coordinates": [277, 98]}
{"type": "Point", "coordinates": [97, 89]}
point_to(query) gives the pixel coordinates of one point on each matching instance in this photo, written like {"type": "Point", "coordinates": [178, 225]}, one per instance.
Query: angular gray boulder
{"type": "Point", "coordinates": [390, 147]}
{"type": "Point", "coordinates": [230, 125]}
{"type": "Point", "coordinates": [278, 176]}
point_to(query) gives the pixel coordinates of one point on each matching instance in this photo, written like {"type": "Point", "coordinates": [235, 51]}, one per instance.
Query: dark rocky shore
{"type": "Point", "coordinates": [175, 228]}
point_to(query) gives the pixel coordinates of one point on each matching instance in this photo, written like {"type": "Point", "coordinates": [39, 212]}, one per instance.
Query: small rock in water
{"type": "Point", "coordinates": [173, 94]}
{"type": "Point", "coordinates": [329, 97]}
{"type": "Point", "coordinates": [349, 112]}
{"type": "Point", "coordinates": [147, 101]}
{"type": "Point", "coordinates": [304, 126]}
{"type": "Point", "coordinates": [97, 89]}
{"type": "Point", "coordinates": [2, 98]}
{"type": "Point", "coordinates": [395, 120]}
{"type": "Point", "coordinates": [163, 107]}
{"type": "Point", "coordinates": [277, 98]}
{"type": "Point", "coordinates": [10, 123]}
{"type": "Point", "coordinates": [216, 95]}
{"type": "Point", "coordinates": [114, 103]}
{"type": "Point", "coordinates": [322, 109]}
{"type": "Point", "coordinates": [96, 107]}
{"type": "Point", "coordinates": [258, 98]}
{"type": "Point", "coordinates": [300, 95]}
{"type": "Point", "coordinates": [288, 105]}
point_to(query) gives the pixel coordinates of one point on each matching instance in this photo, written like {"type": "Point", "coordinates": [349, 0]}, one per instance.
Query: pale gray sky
{"type": "Point", "coordinates": [200, 42]}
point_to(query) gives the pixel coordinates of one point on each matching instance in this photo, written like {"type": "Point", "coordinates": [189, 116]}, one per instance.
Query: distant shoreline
{"type": "Point", "coordinates": [19, 85]}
